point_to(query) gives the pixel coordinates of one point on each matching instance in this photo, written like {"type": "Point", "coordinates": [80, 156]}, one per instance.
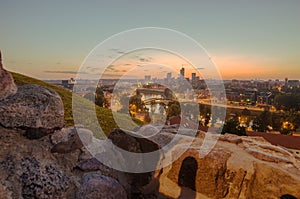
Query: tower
{"type": "Point", "coordinates": [193, 77]}
{"type": "Point", "coordinates": [182, 72]}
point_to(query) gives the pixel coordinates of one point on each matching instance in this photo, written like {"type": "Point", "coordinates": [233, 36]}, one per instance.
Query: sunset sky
{"type": "Point", "coordinates": [246, 39]}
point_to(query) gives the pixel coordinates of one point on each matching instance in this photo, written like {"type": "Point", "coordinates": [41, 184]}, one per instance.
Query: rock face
{"type": "Point", "coordinates": [99, 186]}
{"type": "Point", "coordinates": [51, 181]}
{"type": "Point", "coordinates": [29, 170]}
{"type": "Point", "coordinates": [7, 85]}
{"type": "Point", "coordinates": [135, 183]}
{"type": "Point", "coordinates": [237, 167]}
{"type": "Point", "coordinates": [32, 107]}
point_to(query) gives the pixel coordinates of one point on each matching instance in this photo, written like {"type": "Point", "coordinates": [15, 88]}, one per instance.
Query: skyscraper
{"type": "Point", "coordinates": [182, 72]}
{"type": "Point", "coordinates": [169, 76]}
{"type": "Point", "coordinates": [147, 78]}
{"type": "Point", "coordinates": [193, 77]}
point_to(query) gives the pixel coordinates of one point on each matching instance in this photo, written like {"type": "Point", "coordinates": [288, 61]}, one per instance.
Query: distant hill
{"type": "Point", "coordinates": [104, 115]}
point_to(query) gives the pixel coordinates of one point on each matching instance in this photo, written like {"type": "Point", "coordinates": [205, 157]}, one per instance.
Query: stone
{"type": "Point", "coordinates": [7, 84]}
{"type": "Point", "coordinates": [67, 133]}
{"type": "Point", "coordinates": [42, 182]}
{"type": "Point", "coordinates": [3, 193]}
{"type": "Point", "coordinates": [96, 186]}
{"type": "Point", "coordinates": [237, 167]}
{"type": "Point", "coordinates": [29, 170]}
{"type": "Point", "coordinates": [70, 139]}
{"type": "Point", "coordinates": [134, 183]}
{"type": "Point", "coordinates": [32, 107]}
{"type": "Point", "coordinates": [90, 165]}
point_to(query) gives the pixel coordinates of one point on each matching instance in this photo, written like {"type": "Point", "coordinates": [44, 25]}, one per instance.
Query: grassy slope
{"type": "Point", "coordinates": [105, 117]}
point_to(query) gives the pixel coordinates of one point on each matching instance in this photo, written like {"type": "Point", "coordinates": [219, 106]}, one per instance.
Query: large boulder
{"type": "Point", "coordinates": [32, 107]}
{"type": "Point", "coordinates": [7, 85]}
{"type": "Point", "coordinates": [137, 185]}
{"type": "Point", "coordinates": [29, 170]}
{"type": "Point", "coordinates": [42, 181]}
{"type": "Point", "coordinates": [237, 167]}
{"type": "Point", "coordinates": [97, 186]}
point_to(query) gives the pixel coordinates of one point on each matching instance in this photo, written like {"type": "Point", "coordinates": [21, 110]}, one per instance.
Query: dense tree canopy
{"type": "Point", "coordinates": [287, 101]}
{"type": "Point", "coordinates": [232, 126]}
{"type": "Point", "coordinates": [173, 110]}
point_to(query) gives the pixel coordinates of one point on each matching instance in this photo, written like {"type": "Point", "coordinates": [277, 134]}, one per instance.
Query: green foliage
{"type": "Point", "coordinates": [232, 126]}
{"type": "Point", "coordinates": [262, 122]}
{"type": "Point", "coordinates": [287, 101]}
{"type": "Point", "coordinates": [137, 101]}
{"type": "Point", "coordinates": [105, 116]}
{"type": "Point", "coordinates": [173, 110]}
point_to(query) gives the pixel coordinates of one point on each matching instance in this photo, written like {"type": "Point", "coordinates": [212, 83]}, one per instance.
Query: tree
{"type": "Point", "coordinates": [262, 122]}
{"type": "Point", "coordinates": [205, 112]}
{"type": "Point", "coordinates": [287, 128]}
{"type": "Point", "coordinates": [101, 101]}
{"type": "Point", "coordinates": [287, 101]}
{"type": "Point", "coordinates": [137, 101]}
{"type": "Point", "coordinates": [232, 126]}
{"type": "Point", "coordinates": [97, 98]}
{"type": "Point", "coordinates": [173, 110]}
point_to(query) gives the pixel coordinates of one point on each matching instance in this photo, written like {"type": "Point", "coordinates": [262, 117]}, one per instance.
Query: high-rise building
{"type": "Point", "coordinates": [147, 78]}
{"type": "Point", "coordinates": [182, 72]}
{"type": "Point", "coordinates": [169, 76]}
{"type": "Point", "coordinates": [193, 77]}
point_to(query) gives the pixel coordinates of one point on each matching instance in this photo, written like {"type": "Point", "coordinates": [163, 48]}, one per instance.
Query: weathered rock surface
{"type": "Point", "coordinates": [69, 139]}
{"type": "Point", "coordinates": [96, 186]}
{"type": "Point", "coordinates": [42, 181]}
{"type": "Point", "coordinates": [32, 107]}
{"type": "Point", "coordinates": [135, 183]}
{"type": "Point", "coordinates": [237, 167]}
{"type": "Point", "coordinates": [7, 84]}
{"type": "Point", "coordinates": [29, 170]}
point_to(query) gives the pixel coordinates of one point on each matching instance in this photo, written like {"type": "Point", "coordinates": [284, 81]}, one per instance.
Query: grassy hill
{"type": "Point", "coordinates": [105, 117]}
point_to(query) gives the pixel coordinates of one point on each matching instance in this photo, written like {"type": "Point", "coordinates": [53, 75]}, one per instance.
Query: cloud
{"type": "Point", "coordinates": [145, 59]}
{"type": "Point", "coordinates": [110, 68]}
{"type": "Point", "coordinates": [95, 69]}
{"type": "Point", "coordinates": [65, 72]}
{"type": "Point", "coordinates": [119, 51]}
{"type": "Point", "coordinates": [142, 58]}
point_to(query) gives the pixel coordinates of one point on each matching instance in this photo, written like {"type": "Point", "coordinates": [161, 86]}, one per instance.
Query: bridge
{"type": "Point", "coordinates": [164, 92]}
{"type": "Point", "coordinates": [157, 101]}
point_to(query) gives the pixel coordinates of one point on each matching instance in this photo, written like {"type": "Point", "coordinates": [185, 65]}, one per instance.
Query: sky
{"type": "Point", "coordinates": [246, 39]}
